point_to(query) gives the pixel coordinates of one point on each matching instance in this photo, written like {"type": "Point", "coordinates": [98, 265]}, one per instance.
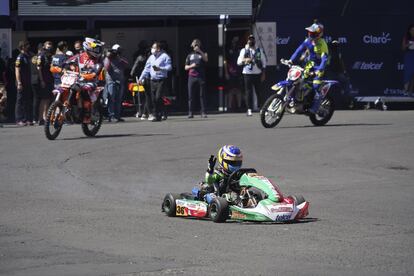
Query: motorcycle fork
{"type": "Point", "coordinates": [289, 95]}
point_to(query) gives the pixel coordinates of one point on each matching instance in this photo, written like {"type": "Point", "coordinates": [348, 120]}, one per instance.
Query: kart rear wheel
{"type": "Point", "coordinates": [325, 112]}
{"type": "Point", "coordinates": [272, 111]}
{"type": "Point", "coordinates": [168, 204]}
{"type": "Point", "coordinates": [298, 199]}
{"type": "Point", "coordinates": [219, 210]}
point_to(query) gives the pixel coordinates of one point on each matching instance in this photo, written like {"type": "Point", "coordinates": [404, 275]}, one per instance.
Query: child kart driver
{"type": "Point", "coordinates": [229, 160]}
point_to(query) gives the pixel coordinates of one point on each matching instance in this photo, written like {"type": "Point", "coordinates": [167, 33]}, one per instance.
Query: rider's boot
{"type": "Point", "coordinates": [317, 99]}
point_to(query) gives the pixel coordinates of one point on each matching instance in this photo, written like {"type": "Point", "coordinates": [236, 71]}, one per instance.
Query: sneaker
{"type": "Point", "coordinates": [120, 120]}
{"type": "Point", "coordinates": [203, 115]}
{"type": "Point", "coordinates": [190, 115]}
{"type": "Point", "coordinates": [249, 112]}
{"type": "Point", "coordinates": [151, 118]}
{"type": "Point", "coordinates": [144, 117]}
{"type": "Point", "coordinates": [21, 123]}
{"type": "Point", "coordinates": [30, 123]}
{"type": "Point", "coordinates": [138, 115]}
{"type": "Point", "coordinates": [35, 122]}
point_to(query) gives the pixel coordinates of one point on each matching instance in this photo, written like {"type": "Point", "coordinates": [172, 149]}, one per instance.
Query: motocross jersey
{"type": "Point", "coordinates": [87, 64]}
{"type": "Point", "coordinates": [318, 53]}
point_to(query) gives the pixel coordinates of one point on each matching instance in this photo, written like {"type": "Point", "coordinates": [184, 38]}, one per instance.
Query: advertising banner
{"type": "Point", "coordinates": [370, 48]}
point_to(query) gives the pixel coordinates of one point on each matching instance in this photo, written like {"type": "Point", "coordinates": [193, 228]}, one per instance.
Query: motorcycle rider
{"type": "Point", "coordinates": [229, 160]}
{"type": "Point", "coordinates": [90, 66]}
{"type": "Point", "coordinates": [315, 61]}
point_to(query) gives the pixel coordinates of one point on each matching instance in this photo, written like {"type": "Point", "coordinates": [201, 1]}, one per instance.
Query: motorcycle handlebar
{"type": "Point", "coordinates": [286, 62]}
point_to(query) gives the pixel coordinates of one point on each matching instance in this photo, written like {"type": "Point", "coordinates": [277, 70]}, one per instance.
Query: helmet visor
{"type": "Point", "coordinates": [236, 163]}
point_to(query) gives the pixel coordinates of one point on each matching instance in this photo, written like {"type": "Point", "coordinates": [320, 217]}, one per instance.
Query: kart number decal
{"type": "Point", "coordinates": [181, 211]}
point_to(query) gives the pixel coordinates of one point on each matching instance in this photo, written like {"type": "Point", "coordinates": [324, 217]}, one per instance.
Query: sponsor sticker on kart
{"type": "Point", "coordinates": [280, 209]}
{"type": "Point", "coordinates": [237, 215]}
{"type": "Point", "coordinates": [283, 217]}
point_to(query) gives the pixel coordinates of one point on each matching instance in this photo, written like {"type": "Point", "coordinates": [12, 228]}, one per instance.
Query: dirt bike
{"type": "Point", "coordinates": [295, 95]}
{"type": "Point", "coordinates": [68, 107]}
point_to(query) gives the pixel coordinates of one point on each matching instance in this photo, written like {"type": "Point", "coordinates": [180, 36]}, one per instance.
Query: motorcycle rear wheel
{"type": "Point", "coordinates": [54, 120]}
{"type": "Point", "coordinates": [93, 127]}
{"type": "Point", "coordinates": [270, 118]}
{"type": "Point", "coordinates": [327, 108]}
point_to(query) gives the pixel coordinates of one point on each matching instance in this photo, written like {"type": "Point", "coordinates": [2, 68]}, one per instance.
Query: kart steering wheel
{"type": "Point", "coordinates": [233, 180]}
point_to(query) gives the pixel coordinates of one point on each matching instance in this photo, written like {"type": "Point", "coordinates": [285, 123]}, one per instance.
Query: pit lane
{"type": "Point", "coordinates": [81, 206]}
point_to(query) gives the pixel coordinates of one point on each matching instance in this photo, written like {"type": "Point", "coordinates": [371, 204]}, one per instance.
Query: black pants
{"type": "Point", "coordinates": [36, 101]}
{"type": "Point", "coordinates": [250, 81]}
{"type": "Point", "coordinates": [192, 87]}
{"type": "Point", "coordinates": [157, 91]}
{"type": "Point", "coordinates": [24, 104]}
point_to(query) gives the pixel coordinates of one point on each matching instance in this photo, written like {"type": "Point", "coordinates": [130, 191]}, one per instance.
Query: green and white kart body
{"type": "Point", "coordinates": [256, 199]}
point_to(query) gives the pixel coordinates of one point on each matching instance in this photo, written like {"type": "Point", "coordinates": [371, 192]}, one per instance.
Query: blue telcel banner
{"type": "Point", "coordinates": [370, 46]}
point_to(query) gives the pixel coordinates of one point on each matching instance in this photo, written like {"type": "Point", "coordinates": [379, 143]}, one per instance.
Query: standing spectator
{"type": "Point", "coordinates": [35, 83]}
{"type": "Point", "coordinates": [58, 60]}
{"type": "Point", "coordinates": [11, 87]}
{"type": "Point", "coordinates": [195, 65]}
{"type": "Point", "coordinates": [156, 67]}
{"type": "Point", "coordinates": [78, 47]}
{"type": "Point", "coordinates": [3, 83]}
{"type": "Point", "coordinates": [336, 69]}
{"type": "Point", "coordinates": [46, 80]}
{"type": "Point", "coordinates": [232, 73]}
{"type": "Point", "coordinates": [23, 84]}
{"type": "Point", "coordinates": [114, 75]}
{"type": "Point", "coordinates": [144, 98]}
{"type": "Point", "coordinates": [408, 48]}
{"type": "Point", "coordinates": [254, 64]}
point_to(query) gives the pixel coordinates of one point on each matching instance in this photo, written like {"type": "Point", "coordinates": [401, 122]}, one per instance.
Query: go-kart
{"type": "Point", "coordinates": [246, 196]}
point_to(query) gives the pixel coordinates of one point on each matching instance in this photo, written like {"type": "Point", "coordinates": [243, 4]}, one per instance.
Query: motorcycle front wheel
{"type": "Point", "coordinates": [272, 111]}
{"type": "Point", "coordinates": [324, 113]}
{"type": "Point", "coordinates": [93, 127]}
{"type": "Point", "coordinates": [54, 120]}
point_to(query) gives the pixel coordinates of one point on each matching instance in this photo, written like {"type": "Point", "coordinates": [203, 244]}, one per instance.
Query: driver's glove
{"type": "Point", "coordinates": [211, 164]}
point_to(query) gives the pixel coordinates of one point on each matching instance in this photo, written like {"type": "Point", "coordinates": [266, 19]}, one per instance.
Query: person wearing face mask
{"type": "Point", "coordinates": [195, 65]}
{"type": "Point", "coordinates": [78, 47]}
{"type": "Point", "coordinates": [156, 68]}
{"type": "Point", "coordinates": [253, 60]}
{"type": "Point", "coordinates": [46, 80]}
{"type": "Point", "coordinates": [114, 65]}
{"type": "Point", "coordinates": [23, 109]}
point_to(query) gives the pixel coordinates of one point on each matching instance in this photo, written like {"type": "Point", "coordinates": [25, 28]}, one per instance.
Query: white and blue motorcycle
{"type": "Point", "coordinates": [295, 95]}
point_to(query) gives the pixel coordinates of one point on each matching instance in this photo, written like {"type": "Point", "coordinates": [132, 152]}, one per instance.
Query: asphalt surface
{"type": "Point", "coordinates": [91, 206]}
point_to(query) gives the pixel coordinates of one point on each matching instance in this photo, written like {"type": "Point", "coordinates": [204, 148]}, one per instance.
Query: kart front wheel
{"type": "Point", "coordinates": [168, 204]}
{"type": "Point", "coordinates": [298, 199]}
{"type": "Point", "coordinates": [219, 210]}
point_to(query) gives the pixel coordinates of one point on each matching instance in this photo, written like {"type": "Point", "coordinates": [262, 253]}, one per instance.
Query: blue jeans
{"type": "Point", "coordinates": [115, 94]}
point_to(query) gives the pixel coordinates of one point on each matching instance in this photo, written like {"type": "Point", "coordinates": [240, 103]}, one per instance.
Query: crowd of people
{"type": "Point", "coordinates": [28, 78]}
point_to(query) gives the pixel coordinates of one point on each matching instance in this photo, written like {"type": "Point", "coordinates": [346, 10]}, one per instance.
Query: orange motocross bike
{"type": "Point", "coordinates": [72, 105]}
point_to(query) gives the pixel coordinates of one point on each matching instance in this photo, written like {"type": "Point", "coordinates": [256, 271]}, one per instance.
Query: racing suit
{"type": "Point", "coordinates": [213, 185]}
{"type": "Point", "coordinates": [316, 61]}
{"type": "Point", "coordinates": [89, 68]}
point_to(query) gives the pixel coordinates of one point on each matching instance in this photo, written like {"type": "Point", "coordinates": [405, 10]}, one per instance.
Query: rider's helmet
{"type": "Point", "coordinates": [93, 47]}
{"type": "Point", "coordinates": [315, 30]}
{"type": "Point", "coordinates": [230, 159]}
